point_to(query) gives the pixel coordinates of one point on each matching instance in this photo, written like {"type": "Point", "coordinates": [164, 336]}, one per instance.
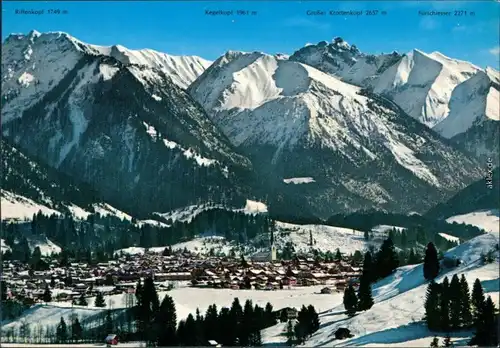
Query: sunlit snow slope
{"type": "Point", "coordinates": [397, 314]}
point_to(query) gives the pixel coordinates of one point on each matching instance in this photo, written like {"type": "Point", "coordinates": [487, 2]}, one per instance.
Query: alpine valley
{"type": "Point", "coordinates": [328, 175]}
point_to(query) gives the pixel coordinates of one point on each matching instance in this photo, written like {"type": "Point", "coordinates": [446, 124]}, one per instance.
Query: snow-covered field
{"type": "Point", "coordinates": [186, 214]}
{"type": "Point", "coordinates": [298, 180]}
{"type": "Point", "coordinates": [187, 300]}
{"type": "Point", "coordinates": [489, 220]}
{"type": "Point", "coordinates": [46, 246]}
{"type": "Point", "coordinates": [325, 238]}
{"type": "Point", "coordinates": [450, 237]}
{"type": "Point", "coordinates": [16, 207]}
{"type": "Point", "coordinates": [4, 246]}
{"type": "Point", "coordinates": [254, 207]}
{"type": "Point", "coordinates": [200, 245]}
{"type": "Point", "coordinates": [386, 228]}
{"type": "Point", "coordinates": [19, 208]}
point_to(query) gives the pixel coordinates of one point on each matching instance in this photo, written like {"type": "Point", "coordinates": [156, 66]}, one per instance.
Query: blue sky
{"type": "Point", "coordinates": [182, 28]}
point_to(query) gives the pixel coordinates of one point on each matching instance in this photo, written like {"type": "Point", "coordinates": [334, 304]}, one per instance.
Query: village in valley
{"type": "Point", "coordinates": [78, 280]}
{"type": "Point", "coordinates": [115, 286]}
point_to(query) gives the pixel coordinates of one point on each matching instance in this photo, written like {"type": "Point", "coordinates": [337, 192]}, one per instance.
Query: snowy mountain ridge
{"type": "Point", "coordinates": [420, 83]}
{"type": "Point", "coordinates": [277, 110]}
{"type": "Point", "coordinates": [152, 130]}
{"type": "Point", "coordinates": [272, 116]}
{"type": "Point", "coordinates": [183, 70]}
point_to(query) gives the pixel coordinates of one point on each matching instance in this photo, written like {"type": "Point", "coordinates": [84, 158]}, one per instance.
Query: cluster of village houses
{"type": "Point", "coordinates": [121, 275]}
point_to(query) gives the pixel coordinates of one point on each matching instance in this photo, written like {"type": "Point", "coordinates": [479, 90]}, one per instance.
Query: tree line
{"type": "Point", "coordinates": [96, 238]}
{"type": "Point", "coordinates": [428, 226]}
{"type": "Point", "coordinates": [234, 326]}
{"type": "Point", "coordinates": [449, 306]}
{"type": "Point", "coordinates": [72, 329]}
{"type": "Point", "coordinates": [307, 323]}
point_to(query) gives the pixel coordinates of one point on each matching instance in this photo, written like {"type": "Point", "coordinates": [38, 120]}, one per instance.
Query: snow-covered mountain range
{"type": "Point", "coordinates": [152, 132]}
{"type": "Point", "coordinates": [125, 128]}
{"type": "Point", "coordinates": [456, 98]}
{"type": "Point", "coordinates": [361, 150]}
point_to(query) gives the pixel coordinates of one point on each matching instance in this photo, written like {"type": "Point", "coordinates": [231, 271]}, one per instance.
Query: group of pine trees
{"type": "Point", "coordinates": [406, 238]}
{"type": "Point", "coordinates": [363, 300]}
{"type": "Point", "coordinates": [306, 324]}
{"type": "Point", "coordinates": [235, 326]}
{"type": "Point", "coordinates": [12, 307]}
{"type": "Point", "coordinates": [74, 334]}
{"type": "Point", "coordinates": [449, 306]}
{"type": "Point", "coordinates": [67, 331]}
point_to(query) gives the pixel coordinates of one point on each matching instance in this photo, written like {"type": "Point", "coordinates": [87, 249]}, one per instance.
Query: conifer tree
{"type": "Point", "coordinates": [368, 271]}
{"type": "Point", "coordinates": [302, 327]}
{"type": "Point", "coordinates": [99, 300]}
{"type": "Point", "coordinates": [387, 259]}
{"type": "Point", "coordinates": [109, 323]}
{"type": "Point", "coordinates": [357, 256]}
{"type": "Point", "coordinates": [431, 262]}
{"type": "Point", "coordinates": [313, 319]}
{"type": "Point", "coordinates": [270, 317]}
{"type": "Point", "coordinates": [3, 290]}
{"type": "Point", "coordinates": [465, 309]}
{"type": "Point", "coordinates": [62, 331]}
{"type": "Point", "coordinates": [211, 323]}
{"type": "Point", "coordinates": [486, 326]}
{"type": "Point", "coordinates": [455, 297]}
{"type": "Point", "coordinates": [290, 333]}
{"type": "Point", "coordinates": [477, 301]}
{"type": "Point", "coordinates": [338, 255]}
{"type": "Point", "coordinates": [76, 330]}
{"type": "Point", "coordinates": [182, 334]}
{"type": "Point", "coordinates": [432, 309]}
{"type": "Point", "coordinates": [199, 332]}
{"type": "Point", "coordinates": [47, 295]}
{"type": "Point", "coordinates": [365, 294]}
{"type": "Point", "coordinates": [435, 342]}
{"type": "Point", "coordinates": [225, 320]}
{"type": "Point", "coordinates": [149, 306]}
{"type": "Point", "coordinates": [166, 323]}
{"type": "Point", "coordinates": [245, 328]}
{"type": "Point", "coordinates": [82, 301]}
{"type": "Point", "coordinates": [413, 257]}
{"type": "Point", "coordinates": [445, 305]}
{"type": "Point", "coordinates": [350, 300]}
{"type": "Point", "coordinates": [237, 309]}
{"type": "Point", "coordinates": [138, 293]}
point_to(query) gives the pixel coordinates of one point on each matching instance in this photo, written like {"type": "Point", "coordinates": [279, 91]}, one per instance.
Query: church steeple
{"type": "Point", "coordinates": [273, 249]}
